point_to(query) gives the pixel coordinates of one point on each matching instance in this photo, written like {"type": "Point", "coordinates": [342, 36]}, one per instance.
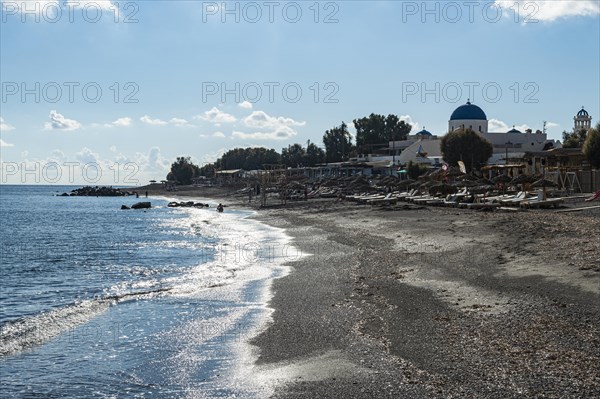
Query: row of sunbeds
{"type": "Point", "coordinates": [462, 199]}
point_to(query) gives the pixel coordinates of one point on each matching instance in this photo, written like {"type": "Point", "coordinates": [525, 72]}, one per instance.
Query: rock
{"type": "Point", "coordinates": [89, 191]}
{"type": "Point", "coordinates": [173, 205]}
{"type": "Point", "coordinates": [123, 207]}
{"type": "Point", "coordinates": [141, 205]}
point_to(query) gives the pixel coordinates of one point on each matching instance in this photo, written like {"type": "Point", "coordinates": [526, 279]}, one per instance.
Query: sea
{"type": "Point", "coordinates": [99, 302]}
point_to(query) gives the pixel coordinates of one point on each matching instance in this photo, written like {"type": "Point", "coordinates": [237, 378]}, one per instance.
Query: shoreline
{"type": "Point", "coordinates": [432, 302]}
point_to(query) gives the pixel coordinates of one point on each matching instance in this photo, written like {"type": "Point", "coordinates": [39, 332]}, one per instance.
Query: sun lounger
{"type": "Point", "coordinates": [547, 203]}
{"type": "Point", "coordinates": [480, 205]}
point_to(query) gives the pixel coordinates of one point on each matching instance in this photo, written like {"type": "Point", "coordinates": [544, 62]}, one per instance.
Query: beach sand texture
{"type": "Point", "coordinates": [413, 302]}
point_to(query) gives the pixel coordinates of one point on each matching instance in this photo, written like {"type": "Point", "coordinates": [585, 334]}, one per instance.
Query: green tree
{"type": "Point", "coordinates": [467, 146]}
{"type": "Point", "coordinates": [338, 143]}
{"type": "Point", "coordinates": [314, 155]}
{"type": "Point", "coordinates": [378, 129]}
{"type": "Point", "coordinates": [183, 170]}
{"type": "Point", "coordinates": [293, 156]}
{"type": "Point", "coordinates": [247, 158]}
{"type": "Point", "coordinates": [415, 170]}
{"type": "Point", "coordinates": [591, 147]}
{"type": "Point", "coordinates": [574, 139]}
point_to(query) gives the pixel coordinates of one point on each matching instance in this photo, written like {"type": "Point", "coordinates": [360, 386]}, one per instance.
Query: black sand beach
{"type": "Point", "coordinates": [418, 302]}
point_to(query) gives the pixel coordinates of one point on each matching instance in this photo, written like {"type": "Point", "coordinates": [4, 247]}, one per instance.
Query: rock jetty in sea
{"type": "Point", "coordinates": [187, 204]}
{"type": "Point", "coordinates": [104, 191]}
{"type": "Point", "coordinates": [141, 205]}
{"type": "Point", "coordinates": [123, 207]}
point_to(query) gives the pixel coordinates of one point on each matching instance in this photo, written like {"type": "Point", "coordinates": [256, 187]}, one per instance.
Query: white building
{"type": "Point", "coordinates": [424, 147]}
{"type": "Point", "coordinates": [583, 121]}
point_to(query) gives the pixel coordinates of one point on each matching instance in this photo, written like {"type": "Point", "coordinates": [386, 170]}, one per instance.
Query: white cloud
{"type": "Point", "coordinates": [156, 122]}
{"type": "Point", "coordinates": [498, 126]}
{"type": "Point", "coordinates": [5, 127]}
{"type": "Point", "coordinates": [522, 127]}
{"type": "Point", "coordinates": [218, 134]}
{"type": "Point", "coordinates": [180, 122]}
{"type": "Point", "coordinates": [4, 144]}
{"type": "Point", "coordinates": [245, 105]}
{"type": "Point", "coordinates": [217, 116]}
{"type": "Point", "coordinates": [270, 127]}
{"type": "Point", "coordinates": [543, 10]}
{"type": "Point", "coordinates": [212, 157]}
{"type": "Point", "coordinates": [25, 154]}
{"type": "Point", "coordinates": [122, 122]}
{"type": "Point", "coordinates": [153, 161]}
{"type": "Point", "coordinates": [113, 148]}
{"type": "Point", "coordinates": [59, 122]}
{"type": "Point", "coordinates": [495, 125]}
{"type": "Point", "coordinates": [415, 125]}
{"type": "Point", "coordinates": [550, 125]}
{"type": "Point", "coordinates": [85, 156]}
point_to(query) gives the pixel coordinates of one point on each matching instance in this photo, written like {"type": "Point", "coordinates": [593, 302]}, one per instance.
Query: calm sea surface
{"type": "Point", "coordinates": [100, 302]}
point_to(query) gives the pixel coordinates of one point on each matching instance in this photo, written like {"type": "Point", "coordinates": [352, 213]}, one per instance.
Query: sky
{"type": "Point", "coordinates": [106, 92]}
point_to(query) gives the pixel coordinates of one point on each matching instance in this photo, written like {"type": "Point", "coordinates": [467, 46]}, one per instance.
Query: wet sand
{"type": "Point", "coordinates": [418, 302]}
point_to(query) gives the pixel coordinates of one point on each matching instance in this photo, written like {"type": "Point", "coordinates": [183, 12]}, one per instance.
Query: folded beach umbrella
{"type": "Point", "coordinates": [503, 179]}
{"type": "Point", "coordinates": [544, 183]}
{"type": "Point", "coordinates": [442, 189]}
{"type": "Point", "coordinates": [404, 183]}
{"type": "Point", "coordinates": [484, 182]}
{"type": "Point", "coordinates": [467, 177]}
{"type": "Point", "coordinates": [523, 179]}
{"type": "Point", "coordinates": [464, 183]}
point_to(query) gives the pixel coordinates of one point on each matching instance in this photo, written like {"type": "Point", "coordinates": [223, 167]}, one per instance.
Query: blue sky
{"type": "Point", "coordinates": [161, 67]}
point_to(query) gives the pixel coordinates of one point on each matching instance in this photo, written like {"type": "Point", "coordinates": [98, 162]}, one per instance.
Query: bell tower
{"type": "Point", "coordinates": [583, 121]}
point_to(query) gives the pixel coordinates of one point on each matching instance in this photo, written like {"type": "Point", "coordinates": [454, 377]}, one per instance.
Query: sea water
{"type": "Point", "coordinates": [98, 302]}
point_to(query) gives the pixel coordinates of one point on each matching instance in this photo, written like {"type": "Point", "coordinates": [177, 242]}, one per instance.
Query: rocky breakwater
{"type": "Point", "coordinates": [187, 204]}
{"type": "Point", "coordinates": [89, 191]}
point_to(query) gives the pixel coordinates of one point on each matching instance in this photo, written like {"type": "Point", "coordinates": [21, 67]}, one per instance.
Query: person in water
{"type": "Point", "coordinates": [220, 208]}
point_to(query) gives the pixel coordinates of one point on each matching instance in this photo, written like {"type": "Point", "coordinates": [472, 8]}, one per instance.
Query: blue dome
{"type": "Point", "coordinates": [513, 130]}
{"type": "Point", "coordinates": [468, 111]}
{"type": "Point", "coordinates": [583, 112]}
{"type": "Point", "coordinates": [424, 132]}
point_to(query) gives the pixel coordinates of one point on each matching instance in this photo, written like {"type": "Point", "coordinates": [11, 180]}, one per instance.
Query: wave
{"type": "Point", "coordinates": [26, 332]}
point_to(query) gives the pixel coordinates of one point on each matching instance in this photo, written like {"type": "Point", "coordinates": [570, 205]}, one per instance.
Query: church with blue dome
{"type": "Point", "coordinates": [468, 116]}
{"type": "Point", "coordinates": [583, 121]}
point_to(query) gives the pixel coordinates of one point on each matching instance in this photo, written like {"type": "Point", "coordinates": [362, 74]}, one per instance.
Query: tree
{"type": "Point", "coordinates": [415, 170]}
{"type": "Point", "coordinates": [378, 129]}
{"type": "Point", "coordinates": [183, 170]}
{"type": "Point", "coordinates": [247, 158]}
{"type": "Point", "coordinates": [293, 156]}
{"type": "Point", "coordinates": [591, 147]}
{"type": "Point", "coordinates": [467, 146]}
{"type": "Point", "coordinates": [338, 143]}
{"type": "Point", "coordinates": [574, 139]}
{"type": "Point", "coordinates": [314, 155]}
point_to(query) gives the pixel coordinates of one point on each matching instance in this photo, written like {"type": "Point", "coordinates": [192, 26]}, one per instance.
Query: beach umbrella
{"type": "Point", "coordinates": [467, 177]}
{"type": "Point", "coordinates": [465, 183]}
{"type": "Point", "coordinates": [544, 183]}
{"type": "Point", "coordinates": [484, 181]}
{"type": "Point", "coordinates": [522, 179]}
{"type": "Point", "coordinates": [442, 189]}
{"type": "Point", "coordinates": [502, 179]}
{"type": "Point", "coordinates": [404, 183]}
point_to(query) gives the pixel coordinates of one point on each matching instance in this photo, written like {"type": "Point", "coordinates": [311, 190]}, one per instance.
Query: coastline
{"type": "Point", "coordinates": [432, 302]}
